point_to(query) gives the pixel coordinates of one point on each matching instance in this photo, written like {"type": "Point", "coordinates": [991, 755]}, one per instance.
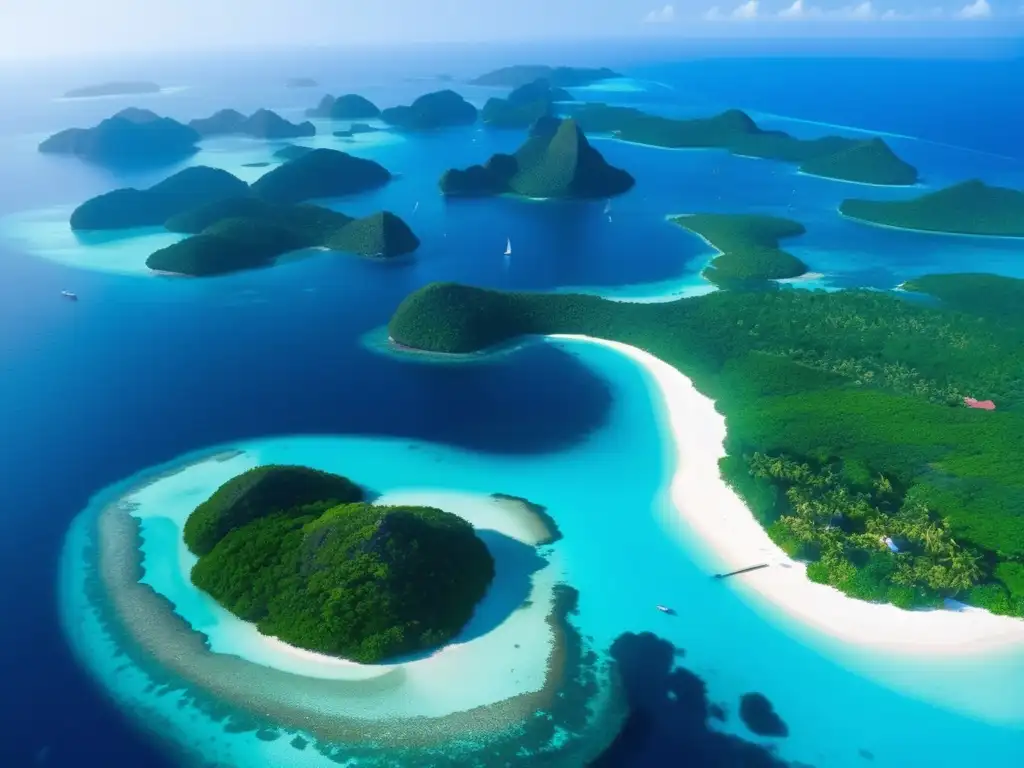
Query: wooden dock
{"type": "Point", "coordinates": [748, 569]}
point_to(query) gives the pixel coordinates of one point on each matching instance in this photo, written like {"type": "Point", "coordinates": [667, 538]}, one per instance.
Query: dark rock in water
{"type": "Point", "coordinates": [132, 138]}
{"type": "Point", "coordinates": [865, 754]}
{"type": "Point", "coordinates": [299, 743]}
{"type": "Point", "coordinates": [256, 165]}
{"type": "Point", "coordinates": [556, 161]}
{"type": "Point", "coordinates": [440, 109]}
{"type": "Point", "coordinates": [350, 106]}
{"type": "Point", "coordinates": [301, 82]}
{"type": "Point", "coordinates": [261, 124]}
{"type": "Point", "coordinates": [318, 174]}
{"type": "Point", "coordinates": [115, 88]}
{"type": "Point", "coordinates": [126, 208]}
{"type": "Point", "coordinates": [760, 717]}
{"type": "Point", "coordinates": [667, 725]}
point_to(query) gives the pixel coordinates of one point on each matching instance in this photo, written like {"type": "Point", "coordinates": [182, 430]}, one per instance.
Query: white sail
{"type": "Point", "coordinates": [508, 247]}
{"type": "Point", "coordinates": [608, 206]}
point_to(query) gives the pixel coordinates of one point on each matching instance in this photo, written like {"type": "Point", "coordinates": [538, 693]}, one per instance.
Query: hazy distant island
{"type": "Point", "coordinates": [556, 161]}
{"type": "Point", "coordinates": [300, 554]}
{"type": "Point", "coordinates": [350, 106]}
{"type": "Point", "coordinates": [261, 124]}
{"type": "Point", "coordinates": [132, 137]}
{"type": "Point", "coordinates": [869, 161]}
{"type": "Point", "coordinates": [127, 208]}
{"type": "Point", "coordinates": [292, 152]}
{"type": "Point", "coordinates": [301, 82]}
{"type": "Point", "coordinates": [114, 88]}
{"type": "Point", "coordinates": [840, 406]}
{"type": "Point", "coordinates": [969, 208]}
{"type": "Point", "coordinates": [524, 105]}
{"type": "Point", "coordinates": [562, 77]}
{"type": "Point", "coordinates": [355, 129]}
{"type": "Point", "coordinates": [748, 245]}
{"type": "Point", "coordinates": [440, 109]}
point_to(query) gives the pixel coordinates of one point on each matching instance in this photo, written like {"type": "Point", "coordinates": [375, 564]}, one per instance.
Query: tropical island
{"type": "Point", "coordinates": [299, 553]}
{"type": "Point", "coordinates": [129, 207]}
{"type": "Point", "coordinates": [113, 88]}
{"type": "Point", "coordinates": [747, 245]}
{"type": "Point", "coordinates": [562, 77]}
{"type": "Point", "coordinates": [848, 438]}
{"type": "Point", "coordinates": [869, 161]}
{"type": "Point", "coordinates": [350, 106]}
{"type": "Point", "coordinates": [999, 298]}
{"type": "Point", "coordinates": [318, 174]}
{"type": "Point", "coordinates": [969, 208]}
{"type": "Point", "coordinates": [556, 161]}
{"type": "Point", "coordinates": [355, 129]}
{"type": "Point", "coordinates": [261, 124]}
{"type": "Point", "coordinates": [524, 106]}
{"type": "Point", "coordinates": [132, 137]}
{"type": "Point", "coordinates": [440, 109]}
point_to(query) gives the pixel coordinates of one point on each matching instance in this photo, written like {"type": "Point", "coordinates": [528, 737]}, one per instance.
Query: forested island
{"type": "Point", "coordinates": [350, 106]}
{"type": "Point", "coordinates": [300, 553]}
{"type": "Point", "coordinates": [748, 247]}
{"type": "Point", "coordinates": [440, 109]}
{"type": "Point", "coordinates": [556, 161]}
{"type": "Point", "coordinates": [970, 208]}
{"type": "Point", "coordinates": [113, 88]}
{"type": "Point", "coordinates": [261, 124]}
{"type": "Point", "coordinates": [562, 77]}
{"type": "Point", "coordinates": [132, 137]}
{"type": "Point", "coordinates": [869, 161]}
{"type": "Point", "coordinates": [847, 429]}
{"type": "Point", "coordinates": [524, 106]}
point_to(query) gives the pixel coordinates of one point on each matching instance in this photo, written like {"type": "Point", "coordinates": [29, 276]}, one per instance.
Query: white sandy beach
{"type": "Point", "coordinates": [712, 513]}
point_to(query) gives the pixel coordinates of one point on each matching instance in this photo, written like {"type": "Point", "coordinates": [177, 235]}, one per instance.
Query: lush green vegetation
{"type": "Point", "coordinates": [132, 137]}
{"type": "Point", "coordinates": [440, 109]}
{"type": "Point", "coordinates": [749, 246]}
{"type": "Point", "coordinates": [970, 208]}
{"type": "Point", "coordinates": [524, 106]}
{"type": "Point", "coordinates": [318, 174]}
{"type": "Point", "coordinates": [349, 106]}
{"type": "Point", "coordinates": [126, 208]}
{"type": "Point", "coordinates": [261, 124]}
{"type": "Point", "coordinates": [260, 492]}
{"type": "Point", "coordinates": [292, 550]}
{"type": "Point", "coordinates": [555, 161]}
{"type": "Point", "coordinates": [248, 233]}
{"type": "Point", "coordinates": [869, 161]}
{"type": "Point", "coordinates": [999, 298]}
{"type": "Point", "coordinates": [562, 77]}
{"type": "Point", "coordinates": [845, 420]}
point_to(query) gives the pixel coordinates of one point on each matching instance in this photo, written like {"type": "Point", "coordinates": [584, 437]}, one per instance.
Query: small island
{"type": "Point", "coordinates": [261, 124]}
{"type": "Point", "coordinates": [127, 208]}
{"type": "Point", "coordinates": [969, 208]}
{"type": "Point", "coordinates": [524, 106]}
{"type": "Point", "coordinates": [868, 161]}
{"type": "Point", "coordinates": [114, 88]}
{"type": "Point", "coordinates": [440, 109]}
{"type": "Point", "coordinates": [839, 406]}
{"type": "Point", "coordinates": [131, 138]}
{"type": "Point", "coordinates": [300, 82]}
{"type": "Point", "coordinates": [320, 173]}
{"type": "Point", "coordinates": [355, 129]}
{"type": "Point", "coordinates": [562, 77]}
{"type": "Point", "coordinates": [748, 247]}
{"type": "Point", "coordinates": [350, 106]}
{"type": "Point", "coordinates": [301, 555]}
{"type": "Point", "coordinates": [248, 233]}
{"type": "Point", "coordinates": [556, 161]}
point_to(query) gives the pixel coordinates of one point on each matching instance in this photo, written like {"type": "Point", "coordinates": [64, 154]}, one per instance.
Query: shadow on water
{"type": "Point", "coordinates": [669, 715]}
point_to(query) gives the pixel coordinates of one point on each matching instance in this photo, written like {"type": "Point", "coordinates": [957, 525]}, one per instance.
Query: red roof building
{"type": "Point", "coordinates": [985, 405]}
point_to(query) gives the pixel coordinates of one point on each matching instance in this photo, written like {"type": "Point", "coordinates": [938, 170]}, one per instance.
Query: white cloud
{"type": "Point", "coordinates": [664, 15]}
{"type": "Point", "coordinates": [979, 9]}
{"type": "Point", "coordinates": [798, 10]}
{"type": "Point", "coordinates": [748, 10]}
{"type": "Point", "coordinates": [862, 12]}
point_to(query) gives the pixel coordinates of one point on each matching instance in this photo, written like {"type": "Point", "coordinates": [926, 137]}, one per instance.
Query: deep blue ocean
{"type": "Point", "coordinates": [140, 371]}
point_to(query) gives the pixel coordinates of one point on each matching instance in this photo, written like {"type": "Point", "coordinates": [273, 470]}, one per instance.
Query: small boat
{"type": "Point", "coordinates": [666, 609]}
{"type": "Point", "coordinates": [416, 207]}
{"type": "Point", "coordinates": [608, 206]}
{"type": "Point", "coordinates": [69, 295]}
{"type": "Point", "coordinates": [508, 247]}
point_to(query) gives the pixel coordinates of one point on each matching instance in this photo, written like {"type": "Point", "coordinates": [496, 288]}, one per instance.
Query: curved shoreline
{"type": "Point", "coordinates": [172, 653]}
{"type": "Point", "coordinates": [716, 516]}
{"type": "Point", "coordinates": [939, 232]}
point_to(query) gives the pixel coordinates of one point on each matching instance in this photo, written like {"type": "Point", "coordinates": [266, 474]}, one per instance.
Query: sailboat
{"type": "Point", "coordinates": [508, 247]}
{"type": "Point", "coordinates": [608, 207]}
{"type": "Point", "coordinates": [416, 207]}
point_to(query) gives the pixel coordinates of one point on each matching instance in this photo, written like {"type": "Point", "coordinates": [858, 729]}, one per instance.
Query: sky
{"type": "Point", "coordinates": [47, 29]}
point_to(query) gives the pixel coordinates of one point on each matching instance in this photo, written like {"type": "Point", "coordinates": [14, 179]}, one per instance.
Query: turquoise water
{"type": "Point", "coordinates": [625, 550]}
